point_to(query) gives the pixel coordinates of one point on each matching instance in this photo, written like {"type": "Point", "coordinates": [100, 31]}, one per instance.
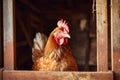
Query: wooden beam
{"type": "Point", "coordinates": [55, 75]}
{"type": "Point", "coordinates": [102, 35]}
{"type": "Point", "coordinates": [1, 33]}
{"type": "Point", "coordinates": [9, 34]}
{"type": "Point", "coordinates": [1, 74]}
{"type": "Point", "coordinates": [115, 37]}
{"type": "Point", "coordinates": [27, 35]}
{"type": "Point", "coordinates": [21, 44]}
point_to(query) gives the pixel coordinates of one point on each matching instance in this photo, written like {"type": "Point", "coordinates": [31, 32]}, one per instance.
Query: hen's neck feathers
{"type": "Point", "coordinates": [51, 43]}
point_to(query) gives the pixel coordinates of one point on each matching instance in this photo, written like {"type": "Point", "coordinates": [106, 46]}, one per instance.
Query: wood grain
{"type": "Point", "coordinates": [43, 75]}
{"type": "Point", "coordinates": [102, 35]}
{"type": "Point", "coordinates": [1, 74]}
{"type": "Point", "coordinates": [115, 37]}
{"type": "Point", "coordinates": [1, 33]}
{"type": "Point", "coordinates": [9, 34]}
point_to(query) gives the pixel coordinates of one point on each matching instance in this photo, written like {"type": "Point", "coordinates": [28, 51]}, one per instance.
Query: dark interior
{"type": "Point", "coordinates": [34, 16]}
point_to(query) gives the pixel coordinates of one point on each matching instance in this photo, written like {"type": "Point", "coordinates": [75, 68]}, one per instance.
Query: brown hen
{"type": "Point", "coordinates": [54, 54]}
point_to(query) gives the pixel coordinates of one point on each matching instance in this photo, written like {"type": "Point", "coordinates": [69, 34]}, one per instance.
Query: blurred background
{"type": "Point", "coordinates": [34, 16]}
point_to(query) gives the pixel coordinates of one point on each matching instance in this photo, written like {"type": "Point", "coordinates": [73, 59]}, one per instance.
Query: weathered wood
{"type": "Point", "coordinates": [1, 33]}
{"type": "Point", "coordinates": [9, 34]}
{"type": "Point", "coordinates": [43, 75]}
{"type": "Point", "coordinates": [102, 35]}
{"type": "Point", "coordinates": [116, 63]}
{"type": "Point", "coordinates": [115, 37]}
{"type": "Point", "coordinates": [1, 74]}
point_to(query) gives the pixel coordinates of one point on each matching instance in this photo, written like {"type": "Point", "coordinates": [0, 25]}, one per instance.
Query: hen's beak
{"type": "Point", "coordinates": [67, 35]}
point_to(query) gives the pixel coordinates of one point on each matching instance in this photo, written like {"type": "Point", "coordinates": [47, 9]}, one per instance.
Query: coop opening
{"type": "Point", "coordinates": [34, 16]}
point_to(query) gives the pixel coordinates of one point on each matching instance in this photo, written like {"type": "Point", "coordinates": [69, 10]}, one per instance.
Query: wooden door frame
{"type": "Point", "coordinates": [1, 74]}
{"type": "Point", "coordinates": [102, 49]}
{"type": "Point", "coordinates": [56, 75]}
{"type": "Point", "coordinates": [115, 37]}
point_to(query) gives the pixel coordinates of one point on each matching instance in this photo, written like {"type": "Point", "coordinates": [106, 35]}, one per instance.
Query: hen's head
{"type": "Point", "coordinates": [61, 34]}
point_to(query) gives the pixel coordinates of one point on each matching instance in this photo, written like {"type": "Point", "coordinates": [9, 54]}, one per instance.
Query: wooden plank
{"type": "Point", "coordinates": [1, 74]}
{"type": "Point", "coordinates": [1, 33]}
{"type": "Point", "coordinates": [116, 63]}
{"type": "Point", "coordinates": [102, 35]}
{"type": "Point", "coordinates": [9, 34]}
{"type": "Point", "coordinates": [115, 37]}
{"type": "Point", "coordinates": [43, 75]}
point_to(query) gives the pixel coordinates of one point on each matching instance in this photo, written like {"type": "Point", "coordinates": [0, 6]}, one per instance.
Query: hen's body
{"type": "Point", "coordinates": [56, 57]}
{"type": "Point", "coordinates": [56, 61]}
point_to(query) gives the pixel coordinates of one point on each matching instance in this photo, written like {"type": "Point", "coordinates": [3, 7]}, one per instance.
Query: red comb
{"type": "Point", "coordinates": [63, 23]}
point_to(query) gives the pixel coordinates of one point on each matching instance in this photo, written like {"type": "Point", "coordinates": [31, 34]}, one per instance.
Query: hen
{"type": "Point", "coordinates": [54, 54]}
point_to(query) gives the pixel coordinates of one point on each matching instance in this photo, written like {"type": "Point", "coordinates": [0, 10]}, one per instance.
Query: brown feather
{"type": "Point", "coordinates": [56, 57]}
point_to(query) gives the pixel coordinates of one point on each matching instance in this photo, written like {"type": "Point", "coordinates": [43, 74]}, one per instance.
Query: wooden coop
{"type": "Point", "coordinates": [94, 25]}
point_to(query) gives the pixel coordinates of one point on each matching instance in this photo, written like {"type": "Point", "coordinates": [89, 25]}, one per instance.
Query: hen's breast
{"type": "Point", "coordinates": [58, 60]}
